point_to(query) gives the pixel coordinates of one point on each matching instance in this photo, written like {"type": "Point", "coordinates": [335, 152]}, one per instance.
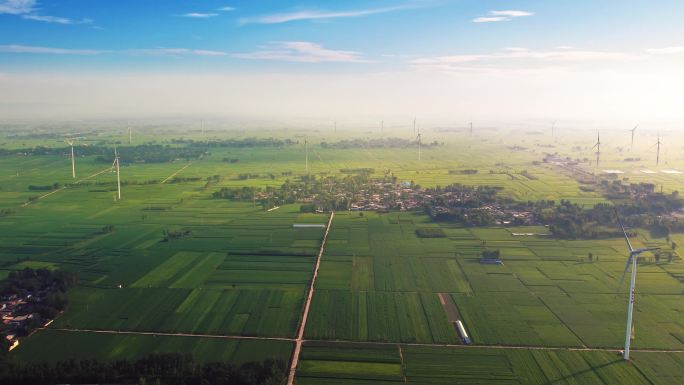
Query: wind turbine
{"type": "Point", "coordinates": [657, 145]}
{"type": "Point", "coordinates": [597, 146]}
{"type": "Point", "coordinates": [130, 134]}
{"type": "Point", "coordinates": [632, 130]}
{"type": "Point", "coordinates": [118, 175]}
{"type": "Point", "coordinates": [633, 256]}
{"type": "Point", "coordinates": [414, 125]}
{"type": "Point", "coordinates": [70, 142]}
{"type": "Point", "coordinates": [306, 156]}
{"type": "Point", "coordinates": [419, 144]}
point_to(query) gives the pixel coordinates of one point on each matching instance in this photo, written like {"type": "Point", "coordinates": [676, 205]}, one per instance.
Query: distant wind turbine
{"type": "Point", "coordinates": [70, 142]}
{"type": "Point", "coordinates": [633, 256]}
{"type": "Point", "coordinates": [118, 174]}
{"type": "Point", "coordinates": [419, 144]}
{"type": "Point", "coordinates": [306, 156]}
{"type": "Point", "coordinates": [597, 146]}
{"type": "Point", "coordinates": [632, 130]}
{"type": "Point", "coordinates": [657, 145]}
{"type": "Point", "coordinates": [130, 134]}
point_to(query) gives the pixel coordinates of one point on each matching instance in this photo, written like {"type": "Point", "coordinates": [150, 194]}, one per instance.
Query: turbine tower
{"type": "Point", "coordinates": [553, 128]}
{"type": "Point", "coordinates": [382, 126]}
{"type": "Point", "coordinates": [471, 127]}
{"type": "Point", "coordinates": [118, 175]}
{"type": "Point", "coordinates": [597, 146]}
{"type": "Point", "coordinates": [657, 145]}
{"type": "Point", "coordinates": [130, 134]}
{"type": "Point", "coordinates": [632, 130]}
{"type": "Point", "coordinates": [306, 156]}
{"type": "Point", "coordinates": [70, 142]}
{"type": "Point", "coordinates": [414, 126]}
{"type": "Point", "coordinates": [633, 256]}
{"type": "Point", "coordinates": [419, 144]}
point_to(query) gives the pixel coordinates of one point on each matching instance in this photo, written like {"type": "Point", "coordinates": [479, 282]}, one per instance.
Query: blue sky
{"type": "Point", "coordinates": [403, 39]}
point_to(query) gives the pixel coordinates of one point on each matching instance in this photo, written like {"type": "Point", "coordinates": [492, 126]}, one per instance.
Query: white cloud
{"type": "Point", "coordinates": [16, 7]}
{"type": "Point", "coordinates": [226, 9]}
{"type": "Point", "coordinates": [175, 52]}
{"type": "Point", "coordinates": [55, 19]}
{"type": "Point", "coordinates": [666, 50]}
{"type": "Point", "coordinates": [278, 18]}
{"type": "Point", "coordinates": [489, 19]}
{"type": "Point", "coordinates": [26, 9]}
{"type": "Point", "coordinates": [511, 13]}
{"type": "Point", "coordinates": [517, 58]}
{"type": "Point", "coordinates": [199, 15]}
{"type": "Point", "coordinates": [496, 16]}
{"type": "Point", "coordinates": [302, 51]}
{"type": "Point", "coordinates": [47, 50]}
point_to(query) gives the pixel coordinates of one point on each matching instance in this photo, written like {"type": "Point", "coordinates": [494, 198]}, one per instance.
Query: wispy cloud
{"type": "Point", "coordinates": [511, 13]}
{"type": "Point", "coordinates": [27, 10]}
{"type": "Point", "coordinates": [303, 52]}
{"type": "Point", "coordinates": [16, 7]}
{"type": "Point", "coordinates": [56, 19]}
{"type": "Point", "coordinates": [666, 50]}
{"type": "Point", "coordinates": [175, 52]}
{"type": "Point", "coordinates": [507, 15]}
{"type": "Point", "coordinates": [226, 9]}
{"type": "Point", "coordinates": [277, 18]}
{"type": "Point", "coordinates": [159, 51]}
{"type": "Point", "coordinates": [48, 50]}
{"type": "Point", "coordinates": [489, 19]}
{"type": "Point", "coordinates": [517, 57]}
{"type": "Point", "coordinates": [199, 15]}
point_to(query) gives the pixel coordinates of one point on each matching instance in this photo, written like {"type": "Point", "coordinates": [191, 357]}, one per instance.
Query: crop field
{"type": "Point", "coordinates": [338, 363]}
{"type": "Point", "coordinates": [170, 259]}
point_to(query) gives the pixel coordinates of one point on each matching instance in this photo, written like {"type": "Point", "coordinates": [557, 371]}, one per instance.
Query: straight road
{"type": "Point", "coordinates": [307, 306]}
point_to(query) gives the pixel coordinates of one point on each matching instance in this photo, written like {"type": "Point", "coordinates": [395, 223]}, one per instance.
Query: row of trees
{"type": "Point", "coordinates": [377, 143]}
{"type": "Point", "coordinates": [160, 368]}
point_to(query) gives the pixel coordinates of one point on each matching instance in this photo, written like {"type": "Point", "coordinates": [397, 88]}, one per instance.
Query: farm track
{"type": "Point", "coordinates": [307, 306]}
{"type": "Point", "coordinates": [64, 188]}
{"type": "Point", "coordinates": [343, 342]}
{"type": "Point", "coordinates": [176, 173]}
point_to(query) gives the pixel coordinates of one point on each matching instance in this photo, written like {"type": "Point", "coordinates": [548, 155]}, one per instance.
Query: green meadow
{"type": "Point", "coordinates": [376, 315]}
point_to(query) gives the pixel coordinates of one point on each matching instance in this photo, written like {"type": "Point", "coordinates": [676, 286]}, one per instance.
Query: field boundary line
{"type": "Point", "coordinates": [176, 173]}
{"type": "Point", "coordinates": [307, 306]}
{"type": "Point", "coordinates": [63, 188]}
{"type": "Point", "coordinates": [167, 334]}
{"type": "Point", "coordinates": [347, 342]}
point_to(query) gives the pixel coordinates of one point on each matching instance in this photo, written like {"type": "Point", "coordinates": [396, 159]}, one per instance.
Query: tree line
{"type": "Point", "coordinates": [156, 368]}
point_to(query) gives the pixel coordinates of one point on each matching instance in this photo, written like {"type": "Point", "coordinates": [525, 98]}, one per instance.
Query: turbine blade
{"type": "Point", "coordinates": [622, 227]}
{"type": "Point", "coordinates": [624, 273]}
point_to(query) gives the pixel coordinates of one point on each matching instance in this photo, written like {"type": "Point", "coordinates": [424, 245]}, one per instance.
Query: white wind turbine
{"type": "Point", "coordinates": [70, 142]}
{"type": "Point", "coordinates": [633, 256]}
{"type": "Point", "coordinates": [118, 175]}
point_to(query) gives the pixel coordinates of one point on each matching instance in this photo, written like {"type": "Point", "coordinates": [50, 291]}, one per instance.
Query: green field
{"type": "Point", "coordinates": [240, 270]}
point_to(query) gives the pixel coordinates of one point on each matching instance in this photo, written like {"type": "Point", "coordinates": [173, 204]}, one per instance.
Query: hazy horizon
{"type": "Point", "coordinates": [442, 61]}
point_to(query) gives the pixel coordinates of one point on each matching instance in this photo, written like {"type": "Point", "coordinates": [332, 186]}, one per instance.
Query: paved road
{"type": "Point", "coordinates": [307, 305]}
